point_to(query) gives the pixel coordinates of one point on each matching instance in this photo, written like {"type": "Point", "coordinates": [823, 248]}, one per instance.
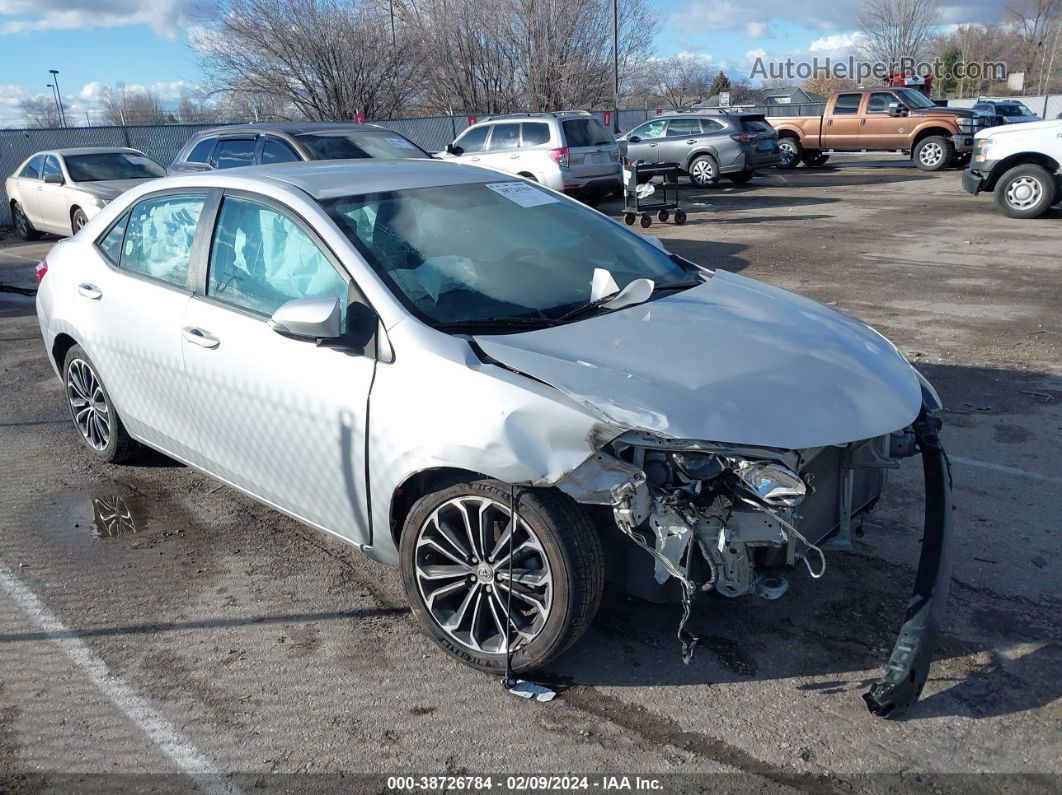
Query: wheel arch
{"type": "Point", "coordinates": [929, 131]}
{"type": "Point", "coordinates": [62, 343]}
{"type": "Point", "coordinates": [420, 484]}
{"type": "Point", "coordinates": [1018, 159]}
{"type": "Point", "coordinates": [702, 151]}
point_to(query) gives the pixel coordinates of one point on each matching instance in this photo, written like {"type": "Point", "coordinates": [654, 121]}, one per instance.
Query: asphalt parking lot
{"type": "Point", "coordinates": [210, 633]}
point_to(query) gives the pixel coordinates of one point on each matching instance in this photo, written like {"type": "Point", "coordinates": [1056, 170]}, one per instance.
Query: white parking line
{"type": "Point", "coordinates": [1016, 471]}
{"type": "Point", "coordinates": [186, 756]}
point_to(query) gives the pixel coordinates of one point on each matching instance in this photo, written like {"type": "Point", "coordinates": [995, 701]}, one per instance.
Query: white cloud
{"type": "Point", "coordinates": [12, 94]}
{"type": "Point", "coordinates": [26, 16]}
{"type": "Point", "coordinates": [752, 55]}
{"type": "Point", "coordinates": [91, 91]}
{"type": "Point", "coordinates": [757, 30]}
{"type": "Point", "coordinates": [837, 41]}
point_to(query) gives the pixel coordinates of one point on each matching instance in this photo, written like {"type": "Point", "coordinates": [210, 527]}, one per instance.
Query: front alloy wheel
{"type": "Point", "coordinates": [484, 587]}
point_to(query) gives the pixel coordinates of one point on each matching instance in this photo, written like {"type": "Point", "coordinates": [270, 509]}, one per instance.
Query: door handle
{"type": "Point", "coordinates": [862, 122]}
{"type": "Point", "coordinates": [513, 157]}
{"type": "Point", "coordinates": [652, 144]}
{"type": "Point", "coordinates": [90, 291]}
{"type": "Point", "coordinates": [474, 159]}
{"type": "Point", "coordinates": [692, 141]}
{"type": "Point", "coordinates": [829, 122]}
{"type": "Point", "coordinates": [197, 336]}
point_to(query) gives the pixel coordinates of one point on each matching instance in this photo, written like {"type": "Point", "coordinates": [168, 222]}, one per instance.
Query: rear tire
{"type": "Point", "coordinates": [933, 153]}
{"type": "Point", "coordinates": [92, 411]}
{"type": "Point", "coordinates": [814, 158]}
{"type": "Point", "coordinates": [791, 152]}
{"type": "Point", "coordinates": [741, 177]}
{"type": "Point", "coordinates": [1026, 191]}
{"type": "Point", "coordinates": [23, 226]}
{"type": "Point", "coordinates": [561, 567]}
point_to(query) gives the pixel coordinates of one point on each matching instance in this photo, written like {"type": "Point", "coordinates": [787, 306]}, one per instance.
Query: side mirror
{"type": "Point", "coordinates": [453, 149]}
{"type": "Point", "coordinates": [53, 179]}
{"type": "Point", "coordinates": [308, 319]}
{"type": "Point", "coordinates": [634, 139]}
{"type": "Point", "coordinates": [896, 109]}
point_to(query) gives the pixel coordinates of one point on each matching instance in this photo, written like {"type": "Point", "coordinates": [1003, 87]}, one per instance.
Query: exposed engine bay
{"type": "Point", "coordinates": [736, 521]}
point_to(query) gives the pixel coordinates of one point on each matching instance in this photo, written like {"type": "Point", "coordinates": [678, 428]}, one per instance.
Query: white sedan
{"type": "Point", "coordinates": [495, 388]}
{"type": "Point", "coordinates": [58, 191]}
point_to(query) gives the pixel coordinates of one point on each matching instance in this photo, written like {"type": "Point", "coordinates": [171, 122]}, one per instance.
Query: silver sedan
{"type": "Point", "coordinates": [58, 191]}
{"type": "Point", "coordinates": [495, 388]}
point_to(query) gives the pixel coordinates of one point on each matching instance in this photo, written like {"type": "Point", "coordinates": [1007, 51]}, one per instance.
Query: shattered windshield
{"type": "Point", "coordinates": [501, 251]}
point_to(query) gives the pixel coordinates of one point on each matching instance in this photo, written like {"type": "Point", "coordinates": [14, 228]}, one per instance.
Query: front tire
{"type": "Point", "coordinates": [1025, 191]}
{"type": "Point", "coordinates": [813, 158]}
{"type": "Point", "coordinates": [92, 411]}
{"type": "Point", "coordinates": [77, 220]}
{"type": "Point", "coordinates": [703, 171]}
{"type": "Point", "coordinates": [23, 226]}
{"type": "Point", "coordinates": [933, 153]}
{"type": "Point", "coordinates": [791, 152]}
{"type": "Point", "coordinates": [454, 559]}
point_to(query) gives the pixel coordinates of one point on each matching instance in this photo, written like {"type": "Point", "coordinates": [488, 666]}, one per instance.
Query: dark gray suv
{"type": "Point", "coordinates": [254, 144]}
{"type": "Point", "coordinates": [705, 145]}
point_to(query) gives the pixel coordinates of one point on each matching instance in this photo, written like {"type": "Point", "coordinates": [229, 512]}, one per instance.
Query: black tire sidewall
{"type": "Point", "coordinates": [79, 213]}
{"type": "Point", "coordinates": [108, 453]}
{"type": "Point", "coordinates": [715, 171]}
{"type": "Point", "coordinates": [553, 638]}
{"type": "Point", "coordinates": [947, 156]}
{"type": "Point", "coordinates": [27, 232]}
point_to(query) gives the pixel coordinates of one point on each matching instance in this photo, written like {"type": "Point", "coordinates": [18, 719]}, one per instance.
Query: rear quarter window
{"type": "Point", "coordinates": [535, 133]}
{"type": "Point", "coordinates": [201, 151]}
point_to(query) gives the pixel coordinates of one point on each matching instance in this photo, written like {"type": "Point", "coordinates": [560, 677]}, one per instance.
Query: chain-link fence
{"type": "Point", "coordinates": [433, 133]}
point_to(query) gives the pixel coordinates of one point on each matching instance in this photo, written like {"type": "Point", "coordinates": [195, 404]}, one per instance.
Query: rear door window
{"type": "Point", "coordinates": [158, 240]}
{"type": "Point", "coordinates": [276, 151]}
{"type": "Point", "coordinates": [33, 168]}
{"type": "Point", "coordinates": [505, 136]}
{"type": "Point", "coordinates": [234, 152]}
{"type": "Point", "coordinates": [535, 133]}
{"type": "Point", "coordinates": [681, 128]}
{"type": "Point", "coordinates": [847, 103]}
{"type": "Point", "coordinates": [585, 132]}
{"type": "Point", "coordinates": [201, 151]}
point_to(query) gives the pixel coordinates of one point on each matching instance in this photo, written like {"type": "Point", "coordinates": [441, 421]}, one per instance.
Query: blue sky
{"type": "Point", "coordinates": [96, 43]}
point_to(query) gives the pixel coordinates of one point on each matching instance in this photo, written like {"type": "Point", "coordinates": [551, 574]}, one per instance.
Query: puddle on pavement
{"type": "Point", "coordinates": [113, 517]}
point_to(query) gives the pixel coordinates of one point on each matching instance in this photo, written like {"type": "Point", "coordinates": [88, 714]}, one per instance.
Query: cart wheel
{"type": "Point", "coordinates": [663, 215]}
{"type": "Point", "coordinates": [629, 219]}
{"type": "Point", "coordinates": [680, 217]}
{"type": "Point", "coordinates": [647, 220]}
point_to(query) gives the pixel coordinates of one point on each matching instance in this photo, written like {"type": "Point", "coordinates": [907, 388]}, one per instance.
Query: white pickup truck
{"type": "Point", "coordinates": [1020, 164]}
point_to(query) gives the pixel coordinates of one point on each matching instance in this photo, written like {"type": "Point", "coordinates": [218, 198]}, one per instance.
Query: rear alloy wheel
{"type": "Point", "coordinates": [791, 152]}
{"type": "Point", "coordinates": [477, 600]}
{"type": "Point", "coordinates": [933, 153]}
{"type": "Point", "coordinates": [78, 220]}
{"type": "Point", "coordinates": [1025, 191]}
{"type": "Point", "coordinates": [23, 227]}
{"type": "Point", "coordinates": [92, 411]}
{"type": "Point", "coordinates": [703, 172]}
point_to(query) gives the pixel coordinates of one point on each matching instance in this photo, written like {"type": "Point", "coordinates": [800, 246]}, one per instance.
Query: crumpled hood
{"type": "Point", "coordinates": [733, 360]}
{"type": "Point", "coordinates": [109, 189]}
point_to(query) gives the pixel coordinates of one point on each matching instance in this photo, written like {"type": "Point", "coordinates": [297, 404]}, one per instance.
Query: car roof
{"type": "Point", "coordinates": [87, 150]}
{"type": "Point", "coordinates": [292, 128]}
{"type": "Point", "coordinates": [326, 179]}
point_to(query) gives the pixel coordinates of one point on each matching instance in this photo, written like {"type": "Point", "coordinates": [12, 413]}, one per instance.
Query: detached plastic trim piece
{"type": "Point", "coordinates": [908, 666]}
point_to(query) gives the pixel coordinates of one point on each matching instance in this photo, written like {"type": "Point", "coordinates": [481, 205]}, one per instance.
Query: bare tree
{"type": "Point", "coordinates": [683, 80]}
{"type": "Point", "coordinates": [826, 84]}
{"type": "Point", "coordinates": [1037, 24]}
{"type": "Point", "coordinates": [193, 109]}
{"type": "Point", "coordinates": [124, 104]}
{"type": "Point", "coordinates": [897, 29]}
{"type": "Point", "coordinates": [329, 59]}
{"type": "Point", "coordinates": [40, 111]}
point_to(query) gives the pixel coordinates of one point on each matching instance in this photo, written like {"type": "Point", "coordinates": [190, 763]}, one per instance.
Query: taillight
{"type": "Point", "coordinates": [560, 156]}
{"type": "Point", "coordinates": [742, 138]}
{"type": "Point", "coordinates": [42, 268]}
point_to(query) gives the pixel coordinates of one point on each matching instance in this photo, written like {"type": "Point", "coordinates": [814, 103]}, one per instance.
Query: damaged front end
{"type": "Point", "coordinates": [736, 520]}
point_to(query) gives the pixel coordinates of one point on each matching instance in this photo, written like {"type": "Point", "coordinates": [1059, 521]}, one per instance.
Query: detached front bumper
{"type": "Point", "coordinates": [973, 181]}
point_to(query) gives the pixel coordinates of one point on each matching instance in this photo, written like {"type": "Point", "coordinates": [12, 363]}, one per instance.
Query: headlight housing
{"type": "Point", "coordinates": [981, 148]}
{"type": "Point", "coordinates": [773, 484]}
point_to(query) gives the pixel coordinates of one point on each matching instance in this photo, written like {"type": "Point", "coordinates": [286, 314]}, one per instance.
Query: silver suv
{"type": "Point", "coordinates": [568, 151]}
{"type": "Point", "coordinates": [706, 146]}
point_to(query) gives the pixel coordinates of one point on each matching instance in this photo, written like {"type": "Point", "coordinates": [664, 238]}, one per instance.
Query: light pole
{"type": "Point", "coordinates": [615, 67]}
{"type": "Point", "coordinates": [55, 99]}
{"type": "Point", "coordinates": [55, 79]}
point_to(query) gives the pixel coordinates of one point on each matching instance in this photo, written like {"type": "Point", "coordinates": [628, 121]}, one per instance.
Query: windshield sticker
{"type": "Point", "coordinates": [523, 194]}
{"type": "Point", "coordinates": [401, 143]}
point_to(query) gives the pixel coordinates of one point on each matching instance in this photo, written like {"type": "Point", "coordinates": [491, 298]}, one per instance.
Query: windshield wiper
{"type": "Point", "coordinates": [683, 285]}
{"type": "Point", "coordinates": [494, 322]}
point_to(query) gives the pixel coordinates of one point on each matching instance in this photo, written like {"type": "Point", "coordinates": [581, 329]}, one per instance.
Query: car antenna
{"type": "Point", "coordinates": [518, 687]}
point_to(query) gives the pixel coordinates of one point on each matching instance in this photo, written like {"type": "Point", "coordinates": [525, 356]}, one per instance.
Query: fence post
{"type": "Point", "coordinates": [453, 128]}
{"type": "Point", "coordinates": [125, 135]}
{"type": "Point", "coordinates": [1044, 114]}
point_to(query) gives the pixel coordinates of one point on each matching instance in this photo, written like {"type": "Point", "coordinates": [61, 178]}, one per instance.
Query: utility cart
{"type": "Point", "coordinates": [663, 201]}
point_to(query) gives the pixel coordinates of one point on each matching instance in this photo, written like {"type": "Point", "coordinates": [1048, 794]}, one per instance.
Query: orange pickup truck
{"type": "Point", "coordinates": [880, 120]}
